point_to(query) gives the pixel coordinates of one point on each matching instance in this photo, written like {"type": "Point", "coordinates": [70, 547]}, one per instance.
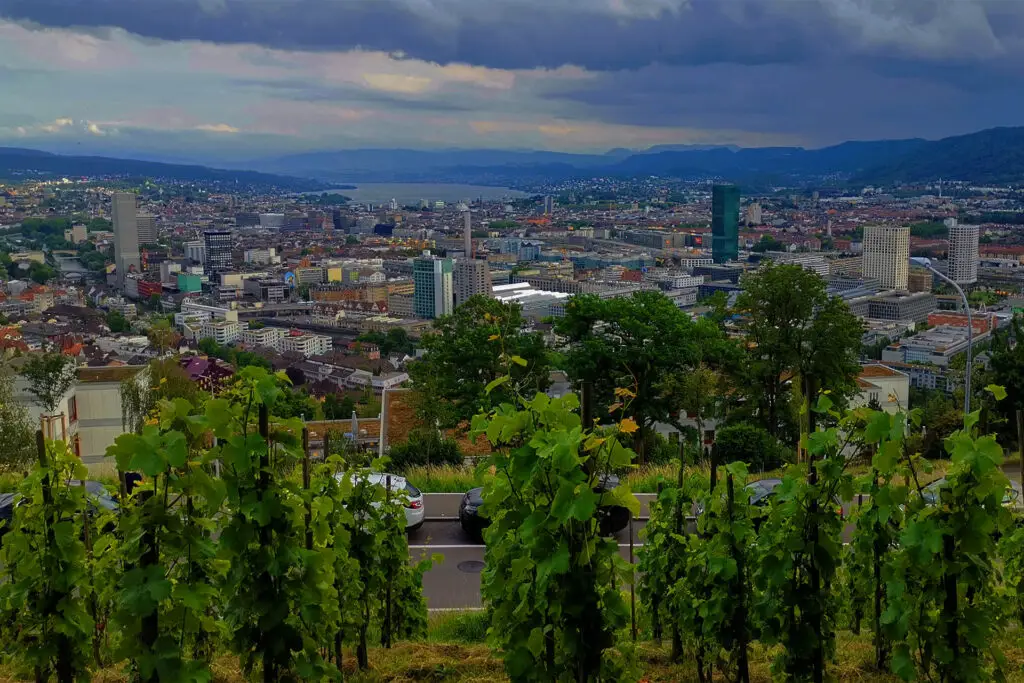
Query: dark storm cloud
{"type": "Point", "coordinates": [596, 34]}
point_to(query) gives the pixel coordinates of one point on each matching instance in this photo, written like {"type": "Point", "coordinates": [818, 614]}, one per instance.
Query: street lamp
{"type": "Point", "coordinates": [927, 263]}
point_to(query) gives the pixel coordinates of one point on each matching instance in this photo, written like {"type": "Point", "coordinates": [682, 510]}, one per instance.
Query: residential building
{"type": "Point", "coordinates": [982, 322]}
{"type": "Point", "coordinates": [754, 213]}
{"type": "Point", "coordinates": [920, 280]}
{"type": "Point", "coordinates": [884, 386]}
{"type": "Point", "coordinates": [307, 344]}
{"type": "Point", "coordinates": [146, 228]}
{"type": "Point", "coordinates": [887, 255]}
{"type": "Point", "coordinates": [938, 346]}
{"type": "Point", "coordinates": [434, 287]}
{"type": "Point", "coordinates": [89, 415]}
{"type": "Point", "coordinates": [218, 250]}
{"type": "Point", "coordinates": [467, 233]}
{"type": "Point", "coordinates": [725, 219]}
{"type": "Point", "coordinates": [400, 305]}
{"type": "Point", "coordinates": [816, 263]}
{"type": "Point", "coordinates": [268, 337]}
{"type": "Point", "coordinates": [963, 252]}
{"type": "Point", "coordinates": [472, 276]}
{"type": "Point", "coordinates": [126, 234]}
{"type": "Point", "coordinates": [221, 331]}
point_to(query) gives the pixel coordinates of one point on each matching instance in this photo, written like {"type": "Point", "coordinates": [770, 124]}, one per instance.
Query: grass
{"type": "Point", "coordinates": [454, 651]}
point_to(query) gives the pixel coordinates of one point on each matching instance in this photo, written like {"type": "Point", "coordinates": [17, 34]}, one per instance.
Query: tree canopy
{"type": "Point", "coordinates": [469, 349]}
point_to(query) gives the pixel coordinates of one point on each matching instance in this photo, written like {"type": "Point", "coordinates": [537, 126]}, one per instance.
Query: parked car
{"type": "Point", "coordinates": [98, 501]}
{"type": "Point", "coordinates": [1012, 498]}
{"type": "Point", "coordinates": [611, 519]}
{"type": "Point", "coordinates": [412, 497]}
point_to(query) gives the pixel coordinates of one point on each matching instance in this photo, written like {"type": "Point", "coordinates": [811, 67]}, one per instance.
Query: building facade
{"type": "Point", "coordinates": [307, 344]}
{"type": "Point", "coordinates": [146, 228]}
{"type": "Point", "coordinates": [268, 337]}
{"type": "Point", "coordinates": [725, 223]}
{"type": "Point", "coordinates": [433, 295]}
{"type": "Point", "coordinates": [218, 250]}
{"type": "Point", "coordinates": [963, 253]}
{"type": "Point", "coordinates": [126, 234]}
{"type": "Point", "coordinates": [887, 255]}
{"type": "Point", "coordinates": [221, 331]}
{"type": "Point", "coordinates": [471, 277]}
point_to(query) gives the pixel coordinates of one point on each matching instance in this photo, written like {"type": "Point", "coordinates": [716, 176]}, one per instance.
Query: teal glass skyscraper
{"type": "Point", "coordinates": [725, 223]}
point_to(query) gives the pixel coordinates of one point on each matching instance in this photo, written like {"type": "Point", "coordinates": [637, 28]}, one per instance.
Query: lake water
{"type": "Point", "coordinates": [412, 193]}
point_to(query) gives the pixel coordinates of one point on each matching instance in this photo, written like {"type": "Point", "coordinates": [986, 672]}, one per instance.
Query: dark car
{"type": "Point", "coordinates": [99, 501]}
{"type": "Point", "coordinates": [611, 519]}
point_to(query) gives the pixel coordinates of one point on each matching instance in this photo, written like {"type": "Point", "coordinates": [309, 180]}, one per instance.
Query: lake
{"type": "Point", "coordinates": [412, 193]}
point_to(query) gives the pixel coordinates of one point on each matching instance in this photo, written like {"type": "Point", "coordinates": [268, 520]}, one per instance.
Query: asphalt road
{"type": "Point", "coordinates": [454, 583]}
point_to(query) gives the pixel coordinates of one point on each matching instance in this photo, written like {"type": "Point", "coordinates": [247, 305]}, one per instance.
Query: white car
{"type": "Point", "coordinates": [412, 497]}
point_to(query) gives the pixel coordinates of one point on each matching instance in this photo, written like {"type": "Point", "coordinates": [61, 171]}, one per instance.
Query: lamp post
{"type": "Point", "coordinates": [927, 263]}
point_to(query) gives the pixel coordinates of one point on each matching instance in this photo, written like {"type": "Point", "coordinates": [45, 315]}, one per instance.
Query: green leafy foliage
{"type": "Point", "coordinates": [946, 606]}
{"type": "Point", "coordinates": [424, 448]}
{"type": "Point", "coordinates": [752, 444]}
{"type": "Point", "coordinates": [467, 352]}
{"type": "Point", "coordinates": [47, 627]}
{"type": "Point", "coordinates": [551, 582]}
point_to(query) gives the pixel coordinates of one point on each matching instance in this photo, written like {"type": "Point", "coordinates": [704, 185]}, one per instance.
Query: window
{"type": "Point", "coordinates": [73, 409]}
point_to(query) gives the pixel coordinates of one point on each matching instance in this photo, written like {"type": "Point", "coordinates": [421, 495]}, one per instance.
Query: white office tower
{"type": "Point", "coordinates": [963, 252]}
{"type": "Point", "coordinates": [467, 232]}
{"type": "Point", "coordinates": [126, 234]}
{"type": "Point", "coordinates": [887, 255]}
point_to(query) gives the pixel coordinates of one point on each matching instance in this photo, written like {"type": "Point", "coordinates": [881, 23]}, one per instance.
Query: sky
{"type": "Point", "coordinates": [237, 79]}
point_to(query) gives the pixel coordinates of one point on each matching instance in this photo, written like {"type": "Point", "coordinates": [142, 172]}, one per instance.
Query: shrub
{"type": "Point", "coordinates": [750, 444]}
{"type": "Point", "coordinates": [424, 449]}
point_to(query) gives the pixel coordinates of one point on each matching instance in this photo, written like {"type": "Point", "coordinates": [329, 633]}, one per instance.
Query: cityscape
{"type": "Point", "coordinates": [521, 387]}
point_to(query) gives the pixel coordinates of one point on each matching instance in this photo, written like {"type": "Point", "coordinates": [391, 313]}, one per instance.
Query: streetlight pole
{"type": "Point", "coordinates": [970, 327]}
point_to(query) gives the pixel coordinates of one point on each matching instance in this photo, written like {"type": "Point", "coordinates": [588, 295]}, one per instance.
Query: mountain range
{"type": "Point", "coordinates": [17, 163]}
{"type": "Point", "coordinates": [994, 155]}
{"type": "Point", "coordinates": [990, 156]}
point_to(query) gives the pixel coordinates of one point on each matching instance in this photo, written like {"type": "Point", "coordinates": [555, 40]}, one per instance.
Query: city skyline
{"type": "Point", "coordinates": [238, 80]}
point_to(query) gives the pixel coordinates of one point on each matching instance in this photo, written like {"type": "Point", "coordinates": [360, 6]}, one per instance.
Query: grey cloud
{"type": "Point", "coordinates": [822, 104]}
{"type": "Point", "coordinates": [304, 91]}
{"type": "Point", "coordinates": [589, 33]}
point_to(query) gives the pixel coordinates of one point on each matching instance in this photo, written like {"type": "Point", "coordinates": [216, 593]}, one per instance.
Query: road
{"type": "Point", "coordinates": [455, 582]}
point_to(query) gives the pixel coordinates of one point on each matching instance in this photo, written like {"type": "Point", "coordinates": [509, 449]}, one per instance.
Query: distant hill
{"type": "Point", "coordinates": [995, 155]}
{"type": "Point", "coordinates": [18, 163]}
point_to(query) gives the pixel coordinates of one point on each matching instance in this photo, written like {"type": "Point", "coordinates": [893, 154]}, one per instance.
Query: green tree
{"type": "Point", "coordinates": [632, 344]}
{"type": "Point", "coordinates": [50, 377]}
{"type": "Point", "coordinates": [1007, 367]}
{"type": "Point", "coordinates": [338, 407]}
{"type": "Point", "coordinates": [749, 443]}
{"type": "Point", "coordinates": [117, 322]}
{"type": "Point", "coordinates": [16, 429]}
{"type": "Point", "coordinates": [468, 350]}
{"type": "Point", "coordinates": [796, 333]}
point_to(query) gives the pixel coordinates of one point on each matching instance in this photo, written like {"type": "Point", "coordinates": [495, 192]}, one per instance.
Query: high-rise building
{"type": "Point", "coordinates": [467, 230]}
{"type": "Point", "coordinates": [433, 295]}
{"type": "Point", "coordinates": [146, 228]}
{"type": "Point", "coordinates": [126, 234]}
{"type": "Point", "coordinates": [549, 205]}
{"type": "Point", "coordinates": [754, 213]}
{"type": "Point", "coordinates": [963, 252]}
{"type": "Point", "coordinates": [218, 250]}
{"type": "Point", "coordinates": [725, 223]}
{"type": "Point", "coordinates": [472, 276]}
{"type": "Point", "coordinates": [887, 255]}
